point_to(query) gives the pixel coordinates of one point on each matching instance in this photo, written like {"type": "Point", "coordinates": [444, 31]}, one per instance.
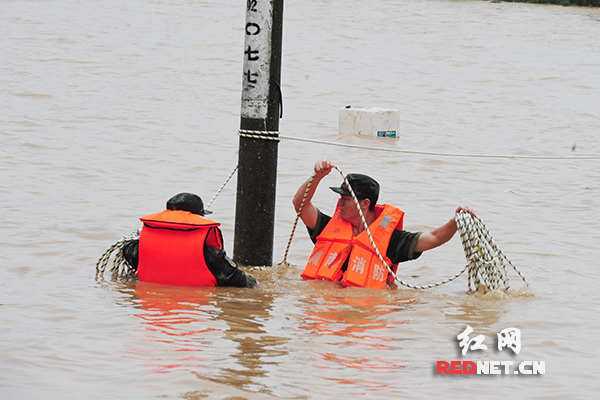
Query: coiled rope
{"type": "Point", "coordinates": [485, 261]}
{"type": "Point", "coordinates": [121, 269]}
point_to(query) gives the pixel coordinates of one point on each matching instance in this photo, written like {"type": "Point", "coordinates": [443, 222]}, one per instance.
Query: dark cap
{"type": "Point", "coordinates": [187, 202]}
{"type": "Point", "coordinates": [364, 187]}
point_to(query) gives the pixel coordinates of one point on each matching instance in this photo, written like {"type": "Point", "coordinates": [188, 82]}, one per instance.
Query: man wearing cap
{"type": "Point", "coordinates": [343, 249]}
{"type": "Point", "coordinates": [179, 246]}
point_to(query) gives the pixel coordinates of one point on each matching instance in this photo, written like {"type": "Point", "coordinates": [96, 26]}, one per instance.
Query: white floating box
{"type": "Point", "coordinates": [370, 121]}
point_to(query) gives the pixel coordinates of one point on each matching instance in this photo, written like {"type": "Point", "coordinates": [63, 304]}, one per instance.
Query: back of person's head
{"type": "Point", "coordinates": [187, 202]}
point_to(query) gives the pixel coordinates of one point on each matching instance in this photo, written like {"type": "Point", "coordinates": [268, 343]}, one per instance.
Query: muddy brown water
{"type": "Point", "coordinates": [108, 108]}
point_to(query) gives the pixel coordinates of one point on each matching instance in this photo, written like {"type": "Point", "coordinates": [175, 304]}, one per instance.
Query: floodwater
{"type": "Point", "coordinates": [107, 108]}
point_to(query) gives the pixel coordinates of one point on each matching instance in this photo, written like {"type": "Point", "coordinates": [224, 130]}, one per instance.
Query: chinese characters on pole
{"type": "Point", "coordinates": [257, 54]}
{"type": "Point", "coordinates": [261, 105]}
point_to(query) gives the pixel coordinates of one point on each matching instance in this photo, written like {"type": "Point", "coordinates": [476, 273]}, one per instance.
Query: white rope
{"type": "Point", "coordinates": [287, 249]}
{"type": "Point", "coordinates": [265, 135]}
{"type": "Point", "coordinates": [274, 135]}
{"type": "Point", "coordinates": [431, 153]}
{"type": "Point", "coordinates": [222, 187]}
{"type": "Point", "coordinates": [121, 268]}
{"type": "Point", "coordinates": [485, 261]}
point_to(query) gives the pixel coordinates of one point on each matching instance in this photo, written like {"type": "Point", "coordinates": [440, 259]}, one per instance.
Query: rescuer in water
{"type": "Point", "coordinates": [343, 251]}
{"type": "Point", "coordinates": [180, 246]}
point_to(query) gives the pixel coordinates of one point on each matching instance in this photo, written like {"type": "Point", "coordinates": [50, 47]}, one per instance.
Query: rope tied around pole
{"type": "Point", "coordinates": [221, 188]}
{"type": "Point", "coordinates": [274, 135]}
{"type": "Point", "coordinates": [485, 261]}
{"type": "Point", "coordinates": [265, 135]}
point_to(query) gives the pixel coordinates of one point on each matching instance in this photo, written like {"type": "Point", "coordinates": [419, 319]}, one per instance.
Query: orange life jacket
{"type": "Point", "coordinates": [171, 249]}
{"type": "Point", "coordinates": [337, 243]}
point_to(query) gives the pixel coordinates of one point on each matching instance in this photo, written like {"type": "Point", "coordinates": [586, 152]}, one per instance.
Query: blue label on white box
{"type": "Point", "coordinates": [386, 133]}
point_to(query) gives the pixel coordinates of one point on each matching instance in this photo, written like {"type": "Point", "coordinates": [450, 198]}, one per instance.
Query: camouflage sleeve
{"type": "Point", "coordinates": [402, 246]}
{"type": "Point", "coordinates": [226, 270]}
{"type": "Point", "coordinates": [322, 221]}
{"type": "Point", "coordinates": [131, 253]}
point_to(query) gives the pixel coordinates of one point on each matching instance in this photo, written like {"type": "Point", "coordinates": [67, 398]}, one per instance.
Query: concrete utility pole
{"type": "Point", "coordinates": [261, 108]}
